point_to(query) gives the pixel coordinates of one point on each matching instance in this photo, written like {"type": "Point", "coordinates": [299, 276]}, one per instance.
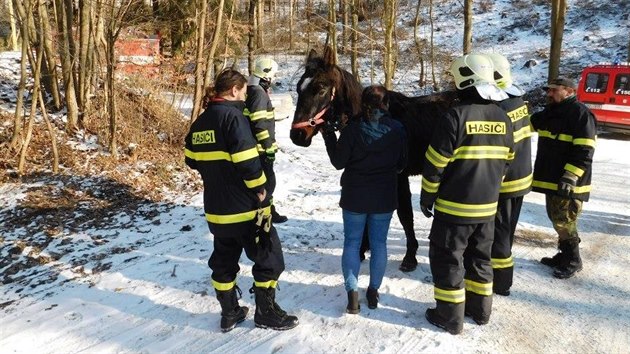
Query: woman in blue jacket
{"type": "Point", "coordinates": [372, 151]}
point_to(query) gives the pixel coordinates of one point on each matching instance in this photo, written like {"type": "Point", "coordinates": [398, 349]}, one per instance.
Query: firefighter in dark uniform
{"type": "Point", "coordinates": [464, 165]}
{"type": "Point", "coordinates": [221, 147]}
{"type": "Point", "coordinates": [261, 115]}
{"type": "Point", "coordinates": [566, 143]}
{"type": "Point", "coordinates": [517, 181]}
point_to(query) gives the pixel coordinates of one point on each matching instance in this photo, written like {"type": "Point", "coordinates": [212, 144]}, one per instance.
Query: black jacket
{"type": "Point", "coordinates": [466, 161]}
{"type": "Point", "coordinates": [221, 147]}
{"type": "Point", "coordinates": [372, 155]}
{"type": "Point", "coordinates": [260, 112]}
{"type": "Point", "coordinates": [518, 180]}
{"type": "Point", "coordinates": [566, 141]}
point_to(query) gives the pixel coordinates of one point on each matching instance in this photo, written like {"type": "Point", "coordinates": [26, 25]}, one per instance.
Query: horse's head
{"type": "Point", "coordinates": [322, 95]}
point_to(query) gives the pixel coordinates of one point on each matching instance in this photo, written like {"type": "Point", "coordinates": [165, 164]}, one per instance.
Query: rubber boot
{"type": "Point", "coordinates": [268, 312]}
{"type": "Point", "coordinates": [277, 218]}
{"type": "Point", "coordinates": [353, 307]}
{"type": "Point", "coordinates": [573, 263]}
{"type": "Point", "coordinates": [479, 307]}
{"type": "Point", "coordinates": [372, 298]}
{"type": "Point", "coordinates": [448, 316]}
{"type": "Point", "coordinates": [231, 313]}
{"type": "Point", "coordinates": [502, 280]}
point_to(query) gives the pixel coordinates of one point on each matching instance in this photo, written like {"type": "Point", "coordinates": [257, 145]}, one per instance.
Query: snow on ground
{"type": "Point", "coordinates": [137, 281]}
{"type": "Point", "coordinates": [142, 284]}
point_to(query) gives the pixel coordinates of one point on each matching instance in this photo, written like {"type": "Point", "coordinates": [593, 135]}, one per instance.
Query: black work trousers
{"type": "Point", "coordinates": [459, 255]}
{"type": "Point", "coordinates": [505, 222]}
{"type": "Point", "coordinates": [229, 243]}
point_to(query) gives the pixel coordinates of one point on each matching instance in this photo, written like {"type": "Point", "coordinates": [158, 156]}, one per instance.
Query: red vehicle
{"type": "Point", "coordinates": [605, 89]}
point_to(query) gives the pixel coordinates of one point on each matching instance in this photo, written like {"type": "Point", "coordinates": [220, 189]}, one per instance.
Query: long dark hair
{"type": "Point", "coordinates": [374, 97]}
{"type": "Point", "coordinates": [223, 83]}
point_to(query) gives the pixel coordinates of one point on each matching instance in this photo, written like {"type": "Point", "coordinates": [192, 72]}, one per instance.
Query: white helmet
{"type": "Point", "coordinates": [502, 74]}
{"type": "Point", "coordinates": [472, 70]}
{"type": "Point", "coordinates": [265, 68]}
{"type": "Point", "coordinates": [477, 70]}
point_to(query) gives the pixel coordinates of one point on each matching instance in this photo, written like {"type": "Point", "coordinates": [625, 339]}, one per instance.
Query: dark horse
{"type": "Point", "coordinates": [328, 93]}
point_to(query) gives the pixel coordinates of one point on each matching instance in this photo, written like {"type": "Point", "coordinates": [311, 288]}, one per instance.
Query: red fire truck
{"type": "Point", "coordinates": [605, 89]}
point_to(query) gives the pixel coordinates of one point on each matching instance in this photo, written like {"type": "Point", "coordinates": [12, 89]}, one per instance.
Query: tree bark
{"type": "Point", "coordinates": [260, 10]}
{"type": "Point", "coordinates": [558, 11]}
{"type": "Point", "coordinates": [291, 4]}
{"type": "Point", "coordinates": [19, 107]}
{"type": "Point", "coordinates": [355, 40]}
{"type": "Point", "coordinates": [215, 42]}
{"type": "Point", "coordinates": [84, 39]}
{"type": "Point", "coordinates": [202, 6]}
{"type": "Point", "coordinates": [50, 58]}
{"type": "Point", "coordinates": [467, 46]}
{"type": "Point", "coordinates": [63, 34]}
{"type": "Point", "coordinates": [432, 48]}
{"type": "Point", "coordinates": [251, 42]}
{"type": "Point", "coordinates": [332, 28]}
{"type": "Point", "coordinates": [227, 38]}
{"type": "Point", "coordinates": [389, 54]}
{"type": "Point", "coordinates": [13, 39]}
{"type": "Point", "coordinates": [419, 46]}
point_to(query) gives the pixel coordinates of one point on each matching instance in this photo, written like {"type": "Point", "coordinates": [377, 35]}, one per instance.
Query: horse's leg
{"type": "Point", "coordinates": [365, 243]}
{"type": "Point", "coordinates": [405, 215]}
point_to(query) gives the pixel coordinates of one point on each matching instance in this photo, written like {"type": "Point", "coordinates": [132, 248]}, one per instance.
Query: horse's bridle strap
{"type": "Point", "coordinates": [317, 120]}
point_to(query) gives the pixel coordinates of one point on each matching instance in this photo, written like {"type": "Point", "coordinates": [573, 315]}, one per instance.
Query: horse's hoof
{"type": "Point", "coordinates": [408, 266]}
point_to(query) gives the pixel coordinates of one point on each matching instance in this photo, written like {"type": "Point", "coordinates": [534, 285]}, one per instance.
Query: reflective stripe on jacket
{"type": "Point", "coordinates": [221, 147]}
{"type": "Point", "coordinates": [567, 132]}
{"type": "Point", "coordinates": [518, 179]}
{"type": "Point", "coordinates": [260, 112]}
{"type": "Point", "coordinates": [466, 161]}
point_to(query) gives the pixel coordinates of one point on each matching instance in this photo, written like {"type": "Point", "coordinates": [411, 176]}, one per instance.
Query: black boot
{"type": "Point", "coordinates": [479, 307]}
{"type": "Point", "coordinates": [448, 316]}
{"type": "Point", "coordinates": [353, 303]}
{"type": "Point", "coordinates": [231, 313]}
{"type": "Point", "coordinates": [372, 298]}
{"type": "Point", "coordinates": [557, 260]}
{"type": "Point", "coordinates": [573, 263]}
{"type": "Point", "coordinates": [277, 218]}
{"type": "Point", "coordinates": [268, 312]}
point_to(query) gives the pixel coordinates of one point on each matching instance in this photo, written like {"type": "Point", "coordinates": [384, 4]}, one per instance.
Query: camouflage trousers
{"type": "Point", "coordinates": [563, 213]}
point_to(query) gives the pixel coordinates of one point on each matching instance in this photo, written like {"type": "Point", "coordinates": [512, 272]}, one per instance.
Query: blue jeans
{"type": "Point", "coordinates": [353, 226]}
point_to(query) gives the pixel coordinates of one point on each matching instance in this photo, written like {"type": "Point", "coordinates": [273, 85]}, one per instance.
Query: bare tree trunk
{"type": "Point", "coordinates": [51, 131]}
{"type": "Point", "coordinates": [467, 47]}
{"type": "Point", "coordinates": [558, 11]}
{"type": "Point", "coordinates": [432, 48]}
{"type": "Point", "coordinates": [215, 42]}
{"type": "Point", "coordinates": [355, 40]}
{"type": "Point", "coordinates": [84, 39]}
{"type": "Point", "coordinates": [291, 4]}
{"type": "Point", "coordinates": [36, 64]}
{"type": "Point", "coordinates": [389, 54]}
{"type": "Point", "coordinates": [251, 41]}
{"type": "Point", "coordinates": [66, 68]}
{"type": "Point", "coordinates": [332, 28]}
{"type": "Point", "coordinates": [227, 38]}
{"type": "Point", "coordinates": [50, 57]}
{"type": "Point", "coordinates": [72, 46]}
{"type": "Point", "coordinates": [260, 7]}
{"type": "Point", "coordinates": [19, 107]}
{"type": "Point", "coordinates": [419, 46]}
{"type": "Point", "coordinates": [309, 12]}
{"type": "Point", "coordinates": [343, 13]}
{"type": "Point", "coordinates": [202, 6]}
{"type": "Point", "coordinates": [13, 36]}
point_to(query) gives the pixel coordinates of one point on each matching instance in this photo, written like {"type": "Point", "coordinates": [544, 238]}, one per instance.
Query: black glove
{"type": "Point", "coordinates": [262, 232]}
{"type": "Point", "coordinates": [271, 156]}
{"type": "Point", "coordinates": [567, 184]}
{"type": "Point", "coordinates": [426, 208]}
{"type": "Point", "coordinates": [329, 128]}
